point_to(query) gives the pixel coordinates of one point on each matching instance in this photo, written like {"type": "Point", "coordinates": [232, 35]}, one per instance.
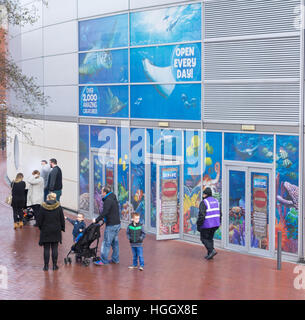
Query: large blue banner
{"type": "Point", "coordinates": [166, 101]}
{"type": "Point", "coordinates": [167, 64]}
{"type": "Point", "coordinates": [166, 25]}
{"type": "Point", "coordinates": [109, 66]}
{"type": "Point", "coordinates": [103, 101]}
{"type": "Point", "coordinates": [103, 33]}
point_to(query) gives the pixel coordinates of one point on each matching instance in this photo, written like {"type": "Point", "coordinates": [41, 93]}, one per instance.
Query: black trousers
{"type": "Point", "coordinates": [206, 237]}
{"type": "Point", "coordinates": [17, 214]}
{"type": "Point", "coordinates": [46, 252]}
{"type": "Point", "coordinates": [36, 208]}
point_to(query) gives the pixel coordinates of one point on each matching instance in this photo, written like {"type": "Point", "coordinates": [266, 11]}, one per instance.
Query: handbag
{"type": "Point", "coordinates": [9, 198]}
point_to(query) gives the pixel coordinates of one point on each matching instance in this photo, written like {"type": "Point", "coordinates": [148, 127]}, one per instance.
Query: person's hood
{"type": "Point", "coordinates": [50, 205]}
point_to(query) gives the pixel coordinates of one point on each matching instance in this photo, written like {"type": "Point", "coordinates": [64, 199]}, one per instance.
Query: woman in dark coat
{"type": "Point", "coordinates": [18, 200]}
{"type": "Point", "coordinates": [51, 222]}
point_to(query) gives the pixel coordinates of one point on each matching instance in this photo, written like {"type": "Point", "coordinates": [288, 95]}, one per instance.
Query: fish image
{"type": "Point", "coordinates": [114, 103]}
{"type": "Point", "coordinates": [287, 163]}
{"type": "Point", "coordinates": [246, 153]}
{"type": "Point", "coordinates": [97, 60]}
{"type": "Point", "coordinates": [210, 149]}
{"type": "Point", "coordinates": [159, 74]}
{"type": "Point", "coordinates": [293, 195]}
{"type": "Point", "coordinates": [208, 161]}
{"type": "Point", "coordinates": [138, 195]}
{"type": "Point", "coordinates": [292, 175]}
{"type": "Point", "coordinates": [283, 153]}
{"type": "Point", "coordinates": [188, 104]}
{"type": "Point", "coordinates": [138, 101]}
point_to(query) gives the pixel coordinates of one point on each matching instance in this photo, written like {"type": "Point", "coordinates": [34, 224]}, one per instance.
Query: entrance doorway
{"type": "Point", "coordinates": [248, 213]}
{"type": "Point", "coordinates": [164, 199]}
{"type": "Point", "coordinates": [103, 172]}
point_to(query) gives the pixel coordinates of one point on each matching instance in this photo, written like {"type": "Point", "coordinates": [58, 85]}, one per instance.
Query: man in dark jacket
{"type": "Point", "coordinates": [55, 179]}
{"type": "Point", "coordinates": [111, 216]}
{"type": "Point", "coordinates": [209, 220]}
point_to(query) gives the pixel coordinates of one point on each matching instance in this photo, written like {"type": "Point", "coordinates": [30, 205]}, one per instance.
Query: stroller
{"type": "Point", "coordinates": [81, 247]}
{"type": "Point", "coordinates": [28, 215]}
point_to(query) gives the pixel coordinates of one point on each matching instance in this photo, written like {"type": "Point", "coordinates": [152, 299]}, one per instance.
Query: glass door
{"type": "Point", "coordinates": [103, 172]}
{"type": "Point", "coordinates": [168, 200]}
{"type": "Point", "coordinates": [249, 224]}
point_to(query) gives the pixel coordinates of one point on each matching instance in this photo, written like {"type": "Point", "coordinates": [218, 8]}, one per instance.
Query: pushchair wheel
{"type": "Point", "coordinates": [69, 260]}
{"type": "Point", "coordinates": [86, 262]}
{"type": "Point", "coordinates": [65, 260]}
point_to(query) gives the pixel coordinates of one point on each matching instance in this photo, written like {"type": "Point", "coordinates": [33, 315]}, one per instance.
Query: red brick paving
{"type": "Point", "coordinates": [174, 270]}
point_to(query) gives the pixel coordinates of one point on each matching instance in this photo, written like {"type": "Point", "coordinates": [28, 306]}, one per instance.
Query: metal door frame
{"type": "Point", "coordinates": [248, 168]}
{"type": "Point", "coordinates": [160, 160]}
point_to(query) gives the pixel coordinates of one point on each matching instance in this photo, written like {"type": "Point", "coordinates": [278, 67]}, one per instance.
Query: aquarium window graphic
{"type": "Point", "coordinates": [260, 210]}
{"type": "Point", "coordinates": [164, 141]}
{"type": "Point", "coordinates": [237, 208]}
{"type": "Point", "coordinates": [167, 64]}
{"type": "Point", "coordinates": [287, 191]}
{"type": "Point", "coordinates": [166, 25]}
{"type": "Point", "coordinates": [193, 142]}
{"type": "Point", "coordinates": [103, 33]}
{"type": "Point", "coordinates": [137, 164]}
{"type": "Point", "coordinates": [103, 138]}
{"type": "Point", "coordinates": [84, 167]}
{"type": "Point", "coordinates": [105, 66]}
{"type": "Point", "coordinates": [249, 147]}
{"type": "Point", "coordinates": [169, 200]}
{"type": "Point", "coordinates": [103, 101]}
{"type": "Point", "coordinates": [166, 101]}
{"type": "Point", "coordinates": [123, 173]}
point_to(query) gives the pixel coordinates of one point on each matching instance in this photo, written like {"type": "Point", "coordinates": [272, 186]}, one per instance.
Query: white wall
{"type": "Point", "coordinates": [49, 140]}
{"type": "Point", "coordinates": [97, 7]}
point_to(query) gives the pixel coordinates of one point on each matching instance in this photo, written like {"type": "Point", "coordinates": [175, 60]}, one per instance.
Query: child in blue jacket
{"type": "Point", "coordinates": [79, 225]}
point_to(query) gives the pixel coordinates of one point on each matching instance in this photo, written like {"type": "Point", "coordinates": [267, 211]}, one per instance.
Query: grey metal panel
{"type": "Point", "coordinates": [252, 59]}
{"type": "Point", "coordinates": [227, 18]}
{"type": "Point", "coordinates": [255, 102]}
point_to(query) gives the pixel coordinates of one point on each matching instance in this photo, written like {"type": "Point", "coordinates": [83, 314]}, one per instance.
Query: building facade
{"type": "Point", "coordinates": [160, 99]}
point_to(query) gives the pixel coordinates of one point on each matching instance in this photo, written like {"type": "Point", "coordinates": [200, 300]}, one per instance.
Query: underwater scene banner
{"type": "Point", "coordinates": [287, 191]}
{"type": "Point", "coordinates": [123, 173]}
{"type": "Point", "coordinates": [167, 64]}
{"type": "Point", "coordinates": [195, 176]}
{"type": "Point", "coordinates": [166, 101]}
{"type": "Point", "coordinates": [137, 181]}
{"type": "Point", "coordinates": [98, 67]}
{"type": "Point", "coordinates": [83, 167]}
{"type": "Point", "coordinates": [164, 141]}
{"type": "Point", "coordinates": [166, 25]}
{"type": "Point", "coordinates": [103, 33]}
{"type": "Point", "coordinates": [248, 147]}
{"type": "Point", "coordinates": [103, 101]}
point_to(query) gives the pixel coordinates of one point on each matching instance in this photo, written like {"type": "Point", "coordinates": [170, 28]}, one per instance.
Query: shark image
{"type": "Point", "coordinates": [246, 153]}
{"type": "Point", "coordinates": [114, 103]}
{"type": "Point", "coordinates": [159, 74]}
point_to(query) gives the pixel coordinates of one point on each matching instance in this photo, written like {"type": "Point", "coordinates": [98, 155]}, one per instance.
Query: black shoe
{"type": "Point", "coordinates": [211, 255]}
{"type": "Point", "coordinates": [205, 257]}
{"type": "Point", "coordinates": [46, 267]}
{"type": "Point", "coordinates": [55, 267]}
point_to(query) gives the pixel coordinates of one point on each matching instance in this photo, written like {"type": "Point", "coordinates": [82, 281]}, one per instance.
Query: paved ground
{"type": "Point", "coordinates": [173, 270]}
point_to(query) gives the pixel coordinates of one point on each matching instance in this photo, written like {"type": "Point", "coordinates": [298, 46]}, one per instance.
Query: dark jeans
{"type": "Point", "coordinates": [46, 252]}
{"type": "Point", "coordinates": [206, 237]}
{"type": "Point", "coordinates": [18, 214]}
{"type": "Point", "coordinates": [36, 208]}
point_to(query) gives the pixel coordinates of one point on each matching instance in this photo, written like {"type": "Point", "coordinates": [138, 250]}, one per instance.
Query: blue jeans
{"type": "Point", "coordinates": [58, 194]}
{"type": "Point", "coordinates": [111, 239]}
{"type": "Point", "coordinates": [137, 252]}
